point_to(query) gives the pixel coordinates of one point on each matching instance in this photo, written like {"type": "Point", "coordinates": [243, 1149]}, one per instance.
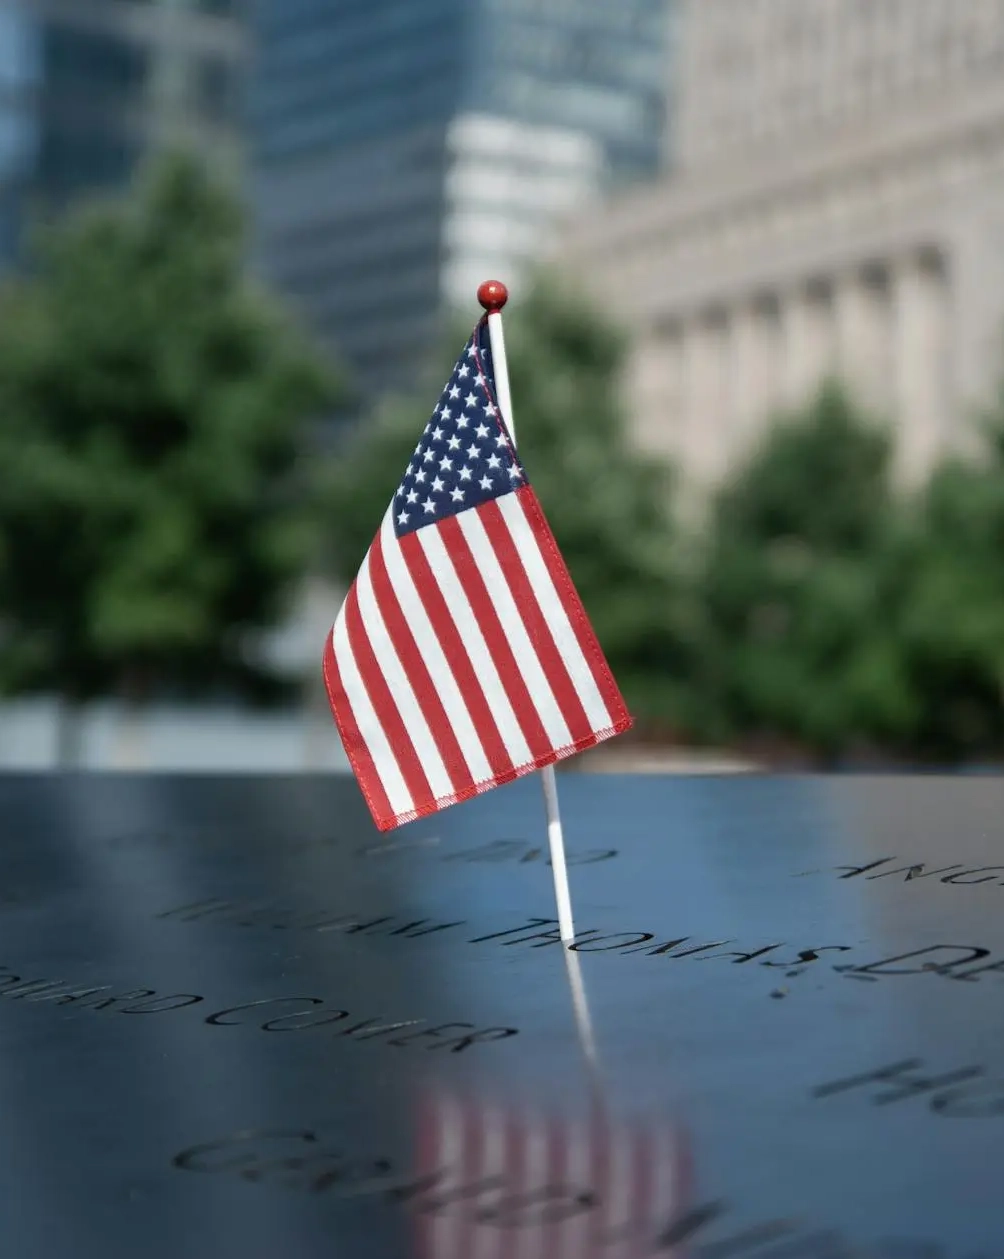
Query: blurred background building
{"type": "Point", "coordinates": [405, 149]}
{"type": "Point", "coordinates": [761, 193]}
{"type": "Point", "coordinates": [89, 87]}
{"type": "Point", "coordinates": [837, 205]}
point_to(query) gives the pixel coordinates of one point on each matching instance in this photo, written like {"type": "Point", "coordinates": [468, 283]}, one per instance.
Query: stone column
{"type": "Point", "coordinates": [704, 437]}
{"type": "Point", "coordinates": [863, 335]}
{"type": "Point", "coordinates": [690, 395]}
{"type": "Point", "coordinates": [974, 270]}
{"type": "Point", "coordinates": [797, 337]}
{"type": "Point", "coordinates": [654, 389]}
{"type": "Point", "coordinates": [808, 354]}
{"type": "Point", "coordinates": [719, 447]}
{"type": "Point", "coordinates": [920, 364]}
{"type": "Point", "coordinates": [767, 395]}
{"type": "Point", "coordinates": [743, 376]}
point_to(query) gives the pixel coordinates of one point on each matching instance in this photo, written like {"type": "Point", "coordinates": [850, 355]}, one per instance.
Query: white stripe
{"type": "Point", "coordinates": [467, 627]}
{"type": "Point", "coordinates": [431, 651]}
{"type": "Point", "coordinates": [666, 1200]}
{"type": "Point", "coordinates": [578, 1233]}
{"type": "Point", "coordinates": [528, 1241]}
{"type": "Point", "coordinates": [488, 1240]}
{"type": "Point", "coordinates": [639, 1187]}
{"type": "Point", "coordinates": [511, 507]}
{"type": "Point", "coordinates": [527, 660]}
{"type": "Point", "coordinates": [444, 1227]}
{"type": "Point", "coordinates": [370, 729]}
{"type": "Point", "coordinates": [397, 680]}
{"type": "Point", "coordinates": [619, 1186]}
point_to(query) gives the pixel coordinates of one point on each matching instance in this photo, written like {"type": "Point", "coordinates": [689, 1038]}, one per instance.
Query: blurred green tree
{"type": "Point", "coordinates": [152, 410]}
{"type": "Point", "coordinates": [800, 648]}
{"type": "Point", "coordinates": [608, 505]}
{"type": "Point", "coordinates": [951, 625]}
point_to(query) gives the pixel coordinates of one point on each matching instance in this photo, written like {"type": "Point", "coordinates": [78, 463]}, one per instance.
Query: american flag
{"type": "Point", "coordinates": [512, 1182]}
{"type": "Point", "coordinates": [462, 656]}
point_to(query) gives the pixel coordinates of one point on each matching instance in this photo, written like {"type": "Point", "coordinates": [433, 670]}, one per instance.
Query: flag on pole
{"type": "Point", "coordinates": [462, 657]}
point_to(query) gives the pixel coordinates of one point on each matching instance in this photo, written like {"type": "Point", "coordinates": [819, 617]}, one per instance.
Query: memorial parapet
{"type": "Point", "coordinates": [235, 1020]}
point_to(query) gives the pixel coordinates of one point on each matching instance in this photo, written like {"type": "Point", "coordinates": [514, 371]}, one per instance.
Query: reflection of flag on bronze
{"type": "Point", "coordinates": [517, 1184]}
{"type": "Point", "coordinates": [462, 657]}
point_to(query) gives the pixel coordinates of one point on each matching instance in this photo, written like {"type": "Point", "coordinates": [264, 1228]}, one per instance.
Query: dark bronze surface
{"type": "Point", "coordinates": [233, 1016]}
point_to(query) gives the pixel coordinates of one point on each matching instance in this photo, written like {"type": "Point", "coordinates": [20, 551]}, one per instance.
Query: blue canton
{"type": "Point", "coordinates": [465, 456]}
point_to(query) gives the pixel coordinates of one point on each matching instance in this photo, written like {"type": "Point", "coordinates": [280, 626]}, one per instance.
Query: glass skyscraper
{"type": "Point", "coordinates": [88, 87]}
{"type": "Point", "coordinates": [407, 149]}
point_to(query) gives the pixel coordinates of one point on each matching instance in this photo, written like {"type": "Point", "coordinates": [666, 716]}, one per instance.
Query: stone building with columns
{"type": "Point", "coordinates": [836, 207]}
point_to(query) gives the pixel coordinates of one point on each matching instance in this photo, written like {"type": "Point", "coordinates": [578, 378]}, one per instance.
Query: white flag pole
{"type": "Point", "coordinates": [493, 296]}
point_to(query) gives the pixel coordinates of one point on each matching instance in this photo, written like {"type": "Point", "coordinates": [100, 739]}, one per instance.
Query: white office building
{"type": "Point", "coordinates": [837, 205]}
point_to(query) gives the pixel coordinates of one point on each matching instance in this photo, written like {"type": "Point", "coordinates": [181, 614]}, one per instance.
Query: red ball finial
{"type": "Point", "coordinates": [493, 295]}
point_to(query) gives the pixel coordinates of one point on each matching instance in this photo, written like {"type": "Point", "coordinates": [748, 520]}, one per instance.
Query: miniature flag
{"type": "Point", "coordinates": [462, 657]}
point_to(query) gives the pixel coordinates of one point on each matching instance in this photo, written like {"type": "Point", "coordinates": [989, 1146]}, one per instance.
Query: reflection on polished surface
{"type": "Point", "coordinates": [234, 1020]}
{"type": "Point", "coordinates": [500, 1180]}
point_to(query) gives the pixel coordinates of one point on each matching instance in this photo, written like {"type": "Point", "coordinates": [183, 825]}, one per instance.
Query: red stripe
{"type": "Point", "coordinates": [473, 584]}
{"type": "Point", "coordinates": [683, 1170]}
{"type": "Point", "coordinates": [441, 1225]}
{"type": "Point", "coordinates": [515, 1161]}
{"type": "Point", "coordinates": [600, 1177]}
{"type": "Point", "coordinates": [417, 673]}
{"type": "Point", "coordinates": [579, 1230]}
{"type": "Point", "coordinates": [489, 1235]}
{"type": "Point", "coordinates": [354, 743]}
{"type": "Point", "coordinates": [460, 662]}
{"type": "Point", "coordinates": [384, 706]}
{"type": "Point", "coordinates": [572, 604]}
{"type": "Point", "coordinates": [555, 1211]}
{"type": "Point", "coordinates": [476, 1169]}
{"type": "Point", "coordinates": [551, 661]}
{"type": "Point", "coordinates": [474, 1183]}
{"type": "Point", "coordinates": [429, 1126]}
{"type": "Point", "coordinates": [644, 1210]}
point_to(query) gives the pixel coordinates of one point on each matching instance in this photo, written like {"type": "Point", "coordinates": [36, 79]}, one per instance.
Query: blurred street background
{"type": "Point", "coordinates": [756, 338]}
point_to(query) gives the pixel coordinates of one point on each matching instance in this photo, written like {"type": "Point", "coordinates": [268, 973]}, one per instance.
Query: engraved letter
{"type": "Point", "coordinates": [881, 968]}
{"type": "Point", "coordinates": [907, 1086]}
{"type": "Point", "coordinates": [218, 1020]}
{"type": "Point", "coordinates": [957, 878]}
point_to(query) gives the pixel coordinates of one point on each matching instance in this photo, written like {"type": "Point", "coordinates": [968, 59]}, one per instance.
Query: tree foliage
{"type": "Point", "coordinates": [842, 616]}
{"type": "Point", "coordinates": [797, 574]}
{"type": "Point", "coordinates": [951, 624]}
{"type": "Point", "coordinates": [152, 406]}
{"type": "Point", "coordinates": [156, 506]}
{"type": "Point", "coordinates": [607, 504]}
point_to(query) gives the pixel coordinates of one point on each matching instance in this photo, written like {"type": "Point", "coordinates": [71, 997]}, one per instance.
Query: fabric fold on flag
{"type": "Point", "coordinates": [462, 657]}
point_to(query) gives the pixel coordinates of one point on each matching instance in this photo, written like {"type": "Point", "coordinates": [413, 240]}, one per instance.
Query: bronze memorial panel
{"type": "Point", "coordinates": [236, 1020]}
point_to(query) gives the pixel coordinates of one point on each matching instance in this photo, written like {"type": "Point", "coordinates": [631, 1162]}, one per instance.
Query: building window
{"type": "Point", "coordinates": [98, 64]}
{"type": "Point", "coordinates": [218, 90]}
{"type": "Point", "coordinates": [72, 158]}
